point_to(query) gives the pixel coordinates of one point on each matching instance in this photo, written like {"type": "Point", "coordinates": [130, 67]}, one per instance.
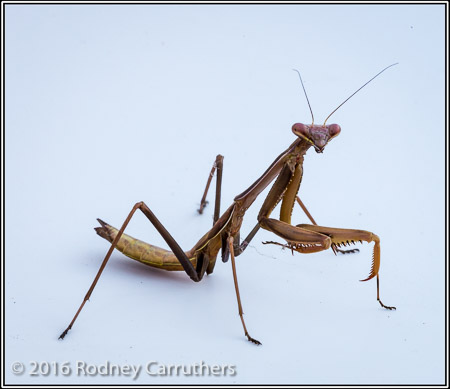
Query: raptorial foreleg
{"type": "Point", "coordinates": [333, 245]}
{"type": "Point", "coordinates": [343, 237]}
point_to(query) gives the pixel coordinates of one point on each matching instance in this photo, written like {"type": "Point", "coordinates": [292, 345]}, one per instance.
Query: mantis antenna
{"type": "Point", "coordinates": [354, 93]}
{"type": "Point", "coordinates": [295, 70]}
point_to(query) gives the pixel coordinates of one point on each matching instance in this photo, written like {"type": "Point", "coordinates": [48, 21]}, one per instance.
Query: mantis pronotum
{"type": "Point", "coordinates": [224, 236]}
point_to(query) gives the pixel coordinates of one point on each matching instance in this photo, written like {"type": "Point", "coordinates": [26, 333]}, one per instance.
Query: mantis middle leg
{"type": "Point", "coordinates": [239, 247]}
{"type": "Point", "coordinates": [218, 164]}
{"type": "Point", "coordinates": [241, 312]}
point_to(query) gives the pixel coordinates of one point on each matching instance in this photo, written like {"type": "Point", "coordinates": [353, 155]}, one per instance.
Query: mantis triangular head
{"type": "Point", "coordinates": [320, 135]}
{"type": "Point", "coordinates": [317, 135]}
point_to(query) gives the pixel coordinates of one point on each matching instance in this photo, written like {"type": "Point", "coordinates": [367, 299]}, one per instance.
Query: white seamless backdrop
{"type": "Point", "coordinates": [107, 105]}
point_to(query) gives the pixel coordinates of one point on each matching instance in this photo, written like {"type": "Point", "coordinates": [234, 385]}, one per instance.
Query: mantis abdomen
{"type": "Point", "coordinates": [141, 251]}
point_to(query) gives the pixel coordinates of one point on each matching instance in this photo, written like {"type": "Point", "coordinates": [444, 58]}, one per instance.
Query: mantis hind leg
{"type": "Point", "coordinates": [194, 274]}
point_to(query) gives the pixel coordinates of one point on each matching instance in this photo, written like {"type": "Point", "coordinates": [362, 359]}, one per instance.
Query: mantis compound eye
{"type": "Point", "coordinates": [301, 130]}
{"type": "Point", "coordinates": [334, 130]}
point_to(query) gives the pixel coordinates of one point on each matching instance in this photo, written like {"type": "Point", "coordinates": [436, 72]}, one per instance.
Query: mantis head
{"type": "Point", "coordinates": [320, 135]}
{"type": "Point", "coordinates": [317, 135]}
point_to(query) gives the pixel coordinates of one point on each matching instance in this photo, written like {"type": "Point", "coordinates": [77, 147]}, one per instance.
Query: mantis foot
{"type": "Point", "coordinates": [385, 306]}
{"type": "Point", "coordinates": [202, 206]}
{"type": "Point", "coordinates": [338, 250]}
{"type": "Point", "coordinates": [299, 247]}
{"type": "Point", "coordinates": [64, 334]}
{"type": "Point", "coordinates": [250, 339]}
{"type": "Point", "coordinates": [279, 244]}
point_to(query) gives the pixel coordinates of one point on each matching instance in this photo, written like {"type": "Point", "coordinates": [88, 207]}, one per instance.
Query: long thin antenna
{"type": "Point", "coordinates": [354, 93]}
{"type": "Point", "coordinates": [305, 95]}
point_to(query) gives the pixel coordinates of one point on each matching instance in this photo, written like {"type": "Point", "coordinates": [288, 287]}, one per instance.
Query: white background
{"type": "Point", "coordinates": [110, 105]}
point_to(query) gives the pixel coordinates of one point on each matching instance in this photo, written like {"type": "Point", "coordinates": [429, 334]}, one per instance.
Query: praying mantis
{"type": "Point", "coordinates": [224, 236]}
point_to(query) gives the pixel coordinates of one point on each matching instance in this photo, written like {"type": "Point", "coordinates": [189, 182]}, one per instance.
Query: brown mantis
{"type": "Point", "coordinates": [224, 236]}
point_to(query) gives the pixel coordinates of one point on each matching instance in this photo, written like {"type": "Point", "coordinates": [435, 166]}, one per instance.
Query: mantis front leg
{"type": "Point", "coordinates": [306, 238]}
{"type": "Point", "coordinates": [333, 246]}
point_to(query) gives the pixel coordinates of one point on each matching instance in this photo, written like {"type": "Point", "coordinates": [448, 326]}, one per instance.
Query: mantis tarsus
{"type": "Point", "coordinates": [224, 236]}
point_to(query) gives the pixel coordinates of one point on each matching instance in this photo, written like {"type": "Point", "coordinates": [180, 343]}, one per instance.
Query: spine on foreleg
{"type": "Point", "coordinates": [375, 258]}
{"type": "Point", "coordinates": [140, 251]}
